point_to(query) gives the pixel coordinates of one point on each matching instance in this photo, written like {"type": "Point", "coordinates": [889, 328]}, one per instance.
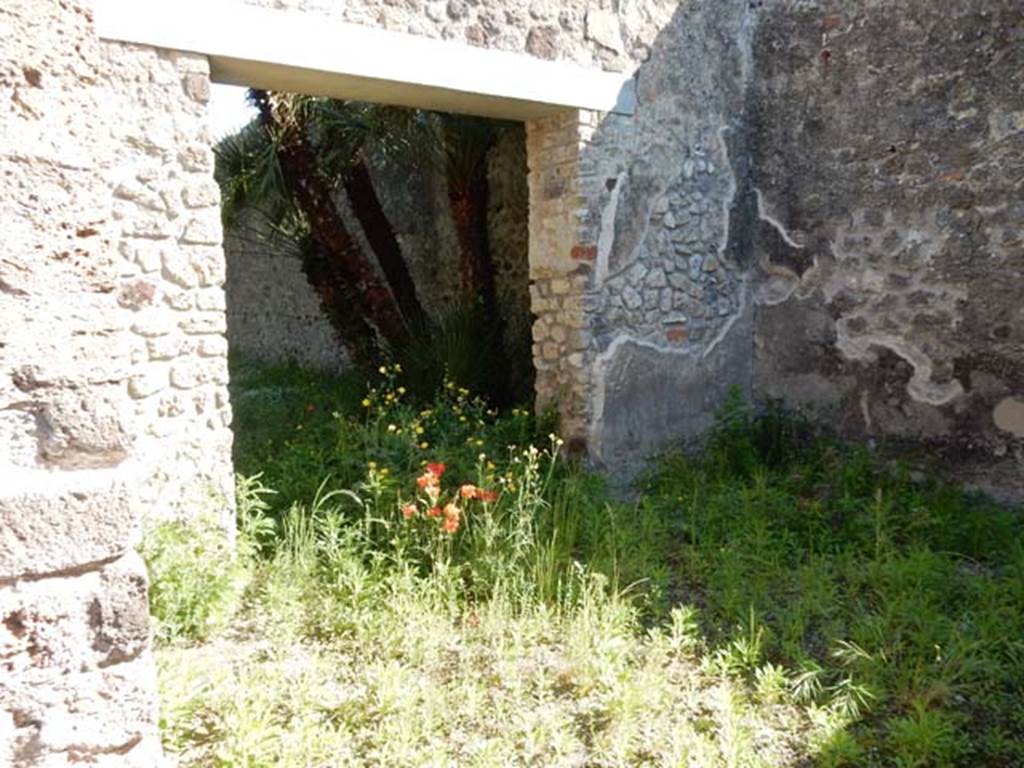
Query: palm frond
{"type": "Point", "coordinates": [247, 170]}
{"type": "Point", "coordinates": [342, 130]}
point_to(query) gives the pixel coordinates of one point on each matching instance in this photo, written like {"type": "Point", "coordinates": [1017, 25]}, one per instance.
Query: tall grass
{"type": "Point", "coordinates": [778, 599]}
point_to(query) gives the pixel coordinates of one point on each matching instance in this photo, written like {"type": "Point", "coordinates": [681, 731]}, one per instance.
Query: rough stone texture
{"type": "Point", "coordinates": [668, 302]}
{"type": "Point", "coordinates": [508, 230]}
{"type": "Point", "coordinates": [614, 36]}
{"type": "Point", "coordinates": [77, 680]}
{"type": "Point", "coordinates": [887, 153]}
{"type": "Point", "coordinates": [108, 267]}
{"type": "Point", "coordinates": [815, 201]}
{"type": "Point", "coordinates": [557, 279]}
{"type": "Point", "coordinates": [273, 313]}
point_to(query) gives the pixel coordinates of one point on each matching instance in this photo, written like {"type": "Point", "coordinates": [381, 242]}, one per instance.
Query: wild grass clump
{"type": "Point", "coordinates": [436, 586]}
{"type": "Point", "coordinates": [198, 572]}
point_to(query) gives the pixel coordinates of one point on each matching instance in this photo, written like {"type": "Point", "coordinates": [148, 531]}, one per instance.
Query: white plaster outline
{"type": "Point", "coordinates": [606, 237]}
{"type": "Point", "coordinates": [921, 388]}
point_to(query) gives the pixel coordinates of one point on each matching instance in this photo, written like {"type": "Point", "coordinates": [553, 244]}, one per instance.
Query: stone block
{"type": "Point", "coordinates": [196, 86]}
{"type": "Point", "coordinates": [77, 672]}
{"type": "Point", "coordinates": [81, 430]}
{"type": "Point", "coordinates": [181, 301]}
{"type": "Point", "coordinates": [153, 322]}
{"type": "Point", "coordinates": [150, 380]}
{"type": "Point", "coordinates": [168, 347]}
{"type": "Point", "coordinates": [212, 300]}
{"type": "Point", "coordinates": [213, 346]}
{"type": "Point", "coordinates": [54, 521]}
{"type": "Point", "coordinates": [202, 231]}
{"type": "Point", "coordinates": [196, 157]}
{"type": "Point", "coordinates": [208, 263]}
{"type": "Point", "coordinates": [207, 323]}
{"type": "Point", "coordinates": [188, 374]}
{"type": "Point", "coordinates": [136, 294]}
{"type": "Point", "coordinates": [178, 269]}
{"type": "Point", "coordinates": [201, 194]}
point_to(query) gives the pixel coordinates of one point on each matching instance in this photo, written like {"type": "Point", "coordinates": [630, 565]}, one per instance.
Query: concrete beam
{"type": "Point", "coordinates": [318, 55]}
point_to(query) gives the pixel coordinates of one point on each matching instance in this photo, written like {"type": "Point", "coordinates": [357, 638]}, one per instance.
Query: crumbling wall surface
{"type": "Point", "coordinates": [111, 360]}
{"type": "Point", "coordinates": [667, 300]}
{"type": "Point", "coordinates": [887, 156]}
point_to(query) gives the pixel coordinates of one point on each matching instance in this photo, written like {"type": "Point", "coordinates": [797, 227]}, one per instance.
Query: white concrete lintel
{"type": "Point", "coordinates": [310, 53]}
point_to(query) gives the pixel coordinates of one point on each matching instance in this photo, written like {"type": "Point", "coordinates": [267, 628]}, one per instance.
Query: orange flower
{"type": "Point", "coordinates": [426, 480]}
{"type": "Point", "coordinates": [473, 492]}
{"type": "Point", "coordinates": [434, 512]}
{"type": "Point", "coordinates": [408, 511]}
{"type": "Point", "coordinates": [436, 470]}
{"type": "Point", "coordinates": [451, 518]}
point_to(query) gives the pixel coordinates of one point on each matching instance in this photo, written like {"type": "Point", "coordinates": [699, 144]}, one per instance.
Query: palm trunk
{"type": "Point", "coordinates": [468, 198]}
{"type": "Point", "coordinates": [312, 195]}
{"type": "Point", "coordinates": [355, 336]}
{"type": "Point", "coordinates": [468, 201]}
{"type": "Point", "coordinates": [381, 235]}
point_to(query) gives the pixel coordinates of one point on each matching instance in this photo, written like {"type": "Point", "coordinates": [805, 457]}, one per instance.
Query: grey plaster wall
{"type": "Point", "coordinates": [669, 297]}
{"type": "Point", "coordinates": [886, 191]}
{"type": "Point", "coordinates": [818, 203]}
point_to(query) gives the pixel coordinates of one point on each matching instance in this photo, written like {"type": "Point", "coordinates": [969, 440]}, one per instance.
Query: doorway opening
{"type": "Point", "coordinates": [365, 242]}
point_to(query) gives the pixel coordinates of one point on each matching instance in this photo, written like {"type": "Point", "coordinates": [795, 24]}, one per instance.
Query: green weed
{"type": "Point", "coordinates": [777, 599]}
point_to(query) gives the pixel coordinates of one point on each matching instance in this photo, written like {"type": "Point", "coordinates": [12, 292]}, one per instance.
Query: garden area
{"type": "Point", "coordinates": [426, 581]}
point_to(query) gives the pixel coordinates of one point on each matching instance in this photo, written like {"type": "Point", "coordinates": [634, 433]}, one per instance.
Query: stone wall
{"type": "Point", "coordinates": [112, 371]}
{"type": "Point", "coordinates": [887, 159]}
{"type": "Point", "coordinates": [273, 314]}
{"type": "Point", "coordinates": [812, 204]}
{"type": "Point", "coordinates": [611, 35]}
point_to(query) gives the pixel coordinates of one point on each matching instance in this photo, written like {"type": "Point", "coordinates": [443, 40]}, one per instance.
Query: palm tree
{"type": "Point", "coordinates": [290, 163]}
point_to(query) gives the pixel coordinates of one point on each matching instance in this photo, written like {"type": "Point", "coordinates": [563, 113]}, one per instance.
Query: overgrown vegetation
{"type": "Point", "coordinates": [779, 599]}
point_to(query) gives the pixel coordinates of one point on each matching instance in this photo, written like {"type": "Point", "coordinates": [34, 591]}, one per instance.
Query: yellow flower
{"type": "Point", "coordinates": [424, 445]}
{"type": "Point", "coordinates": [366, 402]}
{"type": "Point", "coordinates": [419, 430]}
{"type": "Point", "coordinates": [398, 368]}
{"type": "Point", "coordinates": [491, 466]}
{"type": "Point", "coordinates": [392, 428]}
{"type": "Point", "coordinates": [385, 472]}
{"type": "Point", "coordinates": [383, 370]}
{"type": "Point", "coordinates": [401, 390]}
